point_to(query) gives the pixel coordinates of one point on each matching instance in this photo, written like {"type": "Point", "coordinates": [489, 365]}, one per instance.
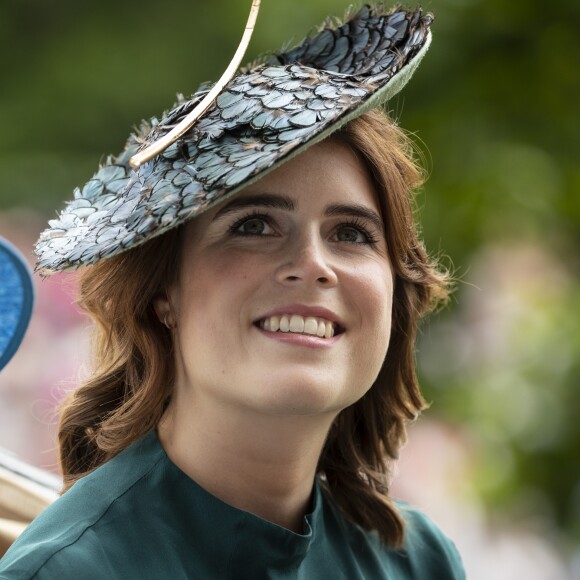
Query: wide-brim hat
{"type": "Point", "coordinates": [267, 113]}
{"type": "Point", "coordinates": [16, 300]}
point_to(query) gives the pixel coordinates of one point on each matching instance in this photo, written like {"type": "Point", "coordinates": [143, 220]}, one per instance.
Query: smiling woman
{"type": "Point", "coordinates": [287, 257]}
{"type": "Point", "coordinates": [254, 356]}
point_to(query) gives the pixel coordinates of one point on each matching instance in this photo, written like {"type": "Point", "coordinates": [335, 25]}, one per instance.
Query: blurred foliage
{"type": "Point", "coordinates": [499, 109]}
{"type": "Point", "coordinates": [496, 105]}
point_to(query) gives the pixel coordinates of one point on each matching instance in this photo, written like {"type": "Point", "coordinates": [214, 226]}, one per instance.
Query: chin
{"type": "Point", "coordinates": [305, 397]}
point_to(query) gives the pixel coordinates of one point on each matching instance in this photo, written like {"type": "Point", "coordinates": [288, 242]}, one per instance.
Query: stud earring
{"type": "Point", "coordinates": [167, 323]}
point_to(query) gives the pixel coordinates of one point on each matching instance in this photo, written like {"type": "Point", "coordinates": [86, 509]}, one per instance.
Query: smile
{"type": "Point", "coordinates": [296, 324]}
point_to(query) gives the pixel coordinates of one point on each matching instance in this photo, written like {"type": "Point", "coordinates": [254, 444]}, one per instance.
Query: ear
{"type": "Point", "coordinates": [164, 310]}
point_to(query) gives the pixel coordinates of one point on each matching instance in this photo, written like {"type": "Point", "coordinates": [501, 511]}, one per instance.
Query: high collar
{"type": "Point", "coordinates": [245, 539]}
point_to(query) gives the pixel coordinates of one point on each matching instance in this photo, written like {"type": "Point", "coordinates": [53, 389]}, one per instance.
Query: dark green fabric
{"type": "Point", "coordinates": [139, 516]}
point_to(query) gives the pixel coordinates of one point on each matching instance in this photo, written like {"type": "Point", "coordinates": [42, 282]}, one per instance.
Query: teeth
{"type": "Point", "coordinates": [311, 325]}
{"type": "Point", "coordinates": [299, 325]}
{"type": "Point", "coordinates": [284, 323]}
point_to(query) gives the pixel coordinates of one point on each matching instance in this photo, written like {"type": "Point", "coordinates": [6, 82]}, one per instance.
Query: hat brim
{"type": "Point", "coordinates": [16, 300]}
{"type": "Point", "coordinates": [267, 114]}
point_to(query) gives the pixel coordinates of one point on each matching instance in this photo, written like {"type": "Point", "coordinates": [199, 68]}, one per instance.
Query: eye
{"type": "Point", "coordinates": [252, 225]}
{"type": "Point", "coordinates": [350, 234]}
{"type": "Point", "coordinates": [355, 232]}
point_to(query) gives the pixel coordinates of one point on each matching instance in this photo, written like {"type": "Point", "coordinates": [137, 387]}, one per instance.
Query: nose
{"type": "Point", "coordinates": [305, 259]}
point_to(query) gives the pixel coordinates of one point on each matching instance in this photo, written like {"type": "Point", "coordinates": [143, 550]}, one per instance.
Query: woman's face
{"type": "Point", "coordinates": [302, 250]}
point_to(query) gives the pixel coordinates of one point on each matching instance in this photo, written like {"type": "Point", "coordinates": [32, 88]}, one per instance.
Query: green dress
{"type": "Point", "coordinates": [139, 516]}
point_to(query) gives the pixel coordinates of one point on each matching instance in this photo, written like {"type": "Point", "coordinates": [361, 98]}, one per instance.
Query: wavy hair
{"type": "Point", "coordinates": [133, 352]}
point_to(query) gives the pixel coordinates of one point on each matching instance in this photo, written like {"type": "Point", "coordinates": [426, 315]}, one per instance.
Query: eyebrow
{"type": "Point", "coordinates": [259, 200]}
{"type": "Point", "coordinates": [283, 202]}
{"type": "Point", "coordinates": [356, 210]}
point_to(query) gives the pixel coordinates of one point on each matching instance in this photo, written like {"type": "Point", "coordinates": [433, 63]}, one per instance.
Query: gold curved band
{"type": "Point", "coordinates": [162, 144]}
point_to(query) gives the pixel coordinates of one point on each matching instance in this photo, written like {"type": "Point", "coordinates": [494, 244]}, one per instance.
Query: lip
{"type": "Point", "coordinates": [303, 339]}
{"type": "Point", "coordinates": [303, 310]}
{"type": "Point", "coordinates": [300, 339]}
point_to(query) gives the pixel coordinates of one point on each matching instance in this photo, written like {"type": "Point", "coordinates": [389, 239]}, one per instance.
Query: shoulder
{"type": "Point", "coordinates": [426, 552]}
{"type": "Point", "coordinates": [35, 561]}
{"type": "Point", "coordinates": [428, 547]}
{"type": "Point", "coordinates": [61, 542]}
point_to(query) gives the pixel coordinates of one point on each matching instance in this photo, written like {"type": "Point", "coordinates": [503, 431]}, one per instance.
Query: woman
{"type": "Point", "coordinates": [256, 315]}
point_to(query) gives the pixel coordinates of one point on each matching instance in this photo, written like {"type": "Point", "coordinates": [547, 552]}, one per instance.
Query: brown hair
{"type": "Point", "coordinates": [131, 383]}
{"type": "Point", "coordinates": [366, 437]}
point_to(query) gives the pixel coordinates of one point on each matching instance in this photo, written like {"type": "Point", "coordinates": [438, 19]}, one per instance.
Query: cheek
{"type": "Point", "coordinates": [215, 287]}
{"type": "Point", "coordinates": [374, 287]}
{"type": "Point", "coordinates": [380, 310]}
{"type": "Point", "coordinates": [374, 298]}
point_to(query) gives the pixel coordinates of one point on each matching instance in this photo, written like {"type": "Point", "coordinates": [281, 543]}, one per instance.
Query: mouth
{"type": "Point", "coordinates": [297, 324]}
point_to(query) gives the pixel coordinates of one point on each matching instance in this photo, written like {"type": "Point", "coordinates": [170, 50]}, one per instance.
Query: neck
{"type": "Point", "coordinates": [263, 464]}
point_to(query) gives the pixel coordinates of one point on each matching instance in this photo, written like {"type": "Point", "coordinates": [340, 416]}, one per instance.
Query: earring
{"type": "Point", "coordinates": [166, 322]}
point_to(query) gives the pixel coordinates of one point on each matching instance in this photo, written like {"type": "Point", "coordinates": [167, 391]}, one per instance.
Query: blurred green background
{"type": "Point", "coordinates": [495, 109]}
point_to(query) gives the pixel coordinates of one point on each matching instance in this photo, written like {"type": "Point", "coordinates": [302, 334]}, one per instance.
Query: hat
{"type": "Point", "coordinates": [16, 300]}
{"type": "Point", "coordinates": [269, 112]}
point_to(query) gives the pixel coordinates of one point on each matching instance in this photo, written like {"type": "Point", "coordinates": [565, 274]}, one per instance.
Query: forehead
{"type": "Point", "coordinates": [328, 172]}
{"type": "Point", "coordinates": [330, 163]}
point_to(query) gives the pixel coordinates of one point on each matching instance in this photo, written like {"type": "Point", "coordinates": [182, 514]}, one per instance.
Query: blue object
{"type": "Point", "coordinates": [16, 300]}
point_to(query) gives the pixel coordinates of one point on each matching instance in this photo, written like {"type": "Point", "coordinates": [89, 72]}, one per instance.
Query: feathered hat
{"type": "Point", "coordinates": [175, 168]}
